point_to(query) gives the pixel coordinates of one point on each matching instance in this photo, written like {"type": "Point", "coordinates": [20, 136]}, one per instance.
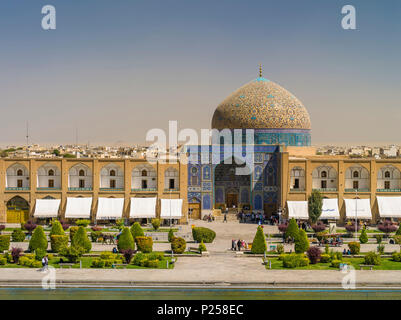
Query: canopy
{"type": "Point", "coordinates": [143, 208]}
{"type": "Point", "coordinates": [389, 207]}
{"type": "Point", "coordinates": [298, 209]}
{"type": "Point", "coordinates": [110, 208]}
{"type": "Point", "coordinates": [46, 208]}
{"type": "Point", "coordinates": [359, 206]}
{"type": "Point", "coordinates": [175, 205]}
{"type": "Point", "coordinates": [78, 208]}
{"type": "Point", "coordinates": [330, 209]}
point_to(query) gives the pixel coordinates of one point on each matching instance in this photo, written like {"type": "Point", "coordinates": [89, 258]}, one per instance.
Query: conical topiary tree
{"type": "Point", "coordinates": [81, 240]}
{"type": "Point", "coordinates": [126, 241]}
{"type": "Point", "coordinates": [259, 242]}
{"type": "Point", "coordinates": [38, 240]}
{"type": "Point", "coordinates": [170, 235]}
{"type": "Point", "coordinates": [301, 242]}
{"type": "Point", "coordinates": [136, 230]}
{"type": "Point", "coordinates": [315, 203]}
{"type": "Point", "coordinates": [292, 230]}
{"type": "Point", "coordinates": [57, 229]}
{"type": "Point", "coordinates": [363, 238]}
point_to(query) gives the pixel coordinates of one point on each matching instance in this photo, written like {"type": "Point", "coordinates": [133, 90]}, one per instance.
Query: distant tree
{"type": "Point", "coordinates": [56, 152]}
{"type": "Point", "coordinates": [315, 203]}
{"type": "Point", "coordinates": [292, 230]}
{"type": "Point", "coordinates": [69, 155]}
{"type": "Point", "coordinates": [301, 242]}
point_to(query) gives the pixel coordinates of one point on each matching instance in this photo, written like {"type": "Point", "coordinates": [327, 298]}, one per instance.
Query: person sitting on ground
{"type": "Point", "coordinates": [344, 251]}
{"type": "Point", "coordinates": [349, 252]}
{"type": "Point", "coordinates": [115, 250]}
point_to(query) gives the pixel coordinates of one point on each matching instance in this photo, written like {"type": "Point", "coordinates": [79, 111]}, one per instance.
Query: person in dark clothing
{"type": "Point", "coordinates": [233, 245]}
{"type": "Point", "coordinates": [225, 217]}
{"type": "Point", "coordinates": [239, 244]}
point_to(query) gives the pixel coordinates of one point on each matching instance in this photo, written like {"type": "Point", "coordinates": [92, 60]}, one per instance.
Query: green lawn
{"type": "Point", "coordinates": [386, 264]}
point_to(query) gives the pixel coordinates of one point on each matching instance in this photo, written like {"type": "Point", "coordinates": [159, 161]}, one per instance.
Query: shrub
{"type": "Point", "coordinates": [379, 238]}
{"type": "Point", "coordinates": [205, 234]}
{"type": "Point", "coordinates": [398, 232]}
{"type": "Point", "coordinates": [81, 240]}
{"type": "Point", "coordinates": [397, 239]}
{"type": "Point", "coordinates": [82, 223]}
{"type": "Point", "coordinates": [354, 247]}
{"type": "Point", "coordinates": [387, 227]}
{"type": "Point", "coordinates": [95, 235]}
{"type": "Point", "coordinates": [396, 256]}
{"type": "Point", "coordinates": [98, 263]}
{"type": "Point", "coordinates": [202, 247]}
{"type": "Point", "coordinates": [295, 260]}
{"type": "Point", "coordinates": [3, 261]}
{"type": "Point", "coordinates": [319, 227]}
{"type": "Point", "coordinates": [363, 238]}
{"type": "Point", "coordinates": [126, 241]}
{"type": "Point", "coordinates": [156, 256]}
{"type": "Point", "coordinates": [283, 227]}
{"type": "Point", "coordinates": [372, 258]}
{"type": "Point", "coordinates": [259, 242]}
{"type": "Point", "coordinates": [170, 235]}
{"type": "Point", "coordinates": [72, 254]}
{"type": "Point", "coordinates": [16, 253]}
{"type": "Point", "coordinates": [380, 249]}
{"type": "Point", "coordinates": [128, 254]}
{"type": "Point", "coordinates": [335, 263]}
{"type": "Point", "coordinates": [280, 248]}
{"type": "Point", "coordinates": [301, 242]}
{"type": "Point", "coordinates": [292, 230]}
{"type": "Point", "coordinates": [56, 229]}
{"type": "Point", "coordinates": [73, 230]}
{"type": "Point", "coordinates": [138, 258]}
{"type": "Point", "coordinates": [29, 262]}
{"type": "Point", "coordinates": [106, 255]}
{"type": "Point", "coordinates": [58, 242]}
{"type": "Point", "coordinates": [2, 227]}
{"type": "Point", "coordinates": [314, 255]}
{"type": "Point", "coordinates": [156, 223]}
{"type": "Point", "coordinates": [350, 227]}
{"type": "Point", "coordinates": [325, 258]}
{"type": "Point", "coordinates": [39, 254]}
{"type": "Point", "coordinates": [29, 226]}
{"type": "Point", "coordinates": [18, 235]}
{"type": "Point", "coordinates": [136, 230]}
{"type": "Point", "coordinates": [96, 228]}
{"type": "Point", "coordinates": [120, 224]}
{"type": "Point", "coordinates": [38, 240]}
{"type": "Point", "coordinates": [64, 224]}
{"type": "Point", "coordinates": [178, 245]}
{"type": "Point", "coordinates": [152, 263]}
{"type": "Point", "coordinates": [145, 244]}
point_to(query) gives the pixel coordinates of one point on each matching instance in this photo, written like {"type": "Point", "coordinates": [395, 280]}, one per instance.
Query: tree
{"type": "Point", "coordinates": [126, 241]}
{"type": "Point", "coordinates": [136, 230]}
{"type": "Point", "coordinates": [259, 242]}
{"type": "Point", "coordinates": [301, 242]}
{"type": "Point", "coordinates": [170, 235]}
{"type": "Point", "coordinates": [38, 240]}
{"type": "Point", "coordinates": [315, 203]}
{"type": "Point", "coordinates": [156, 223]}
{"type": "Point", "coordinates": [57, 229]}
{"type": "Point", "coordinates": [81, 240]}
{"type": "Point", "coordinates": [56, 152]}
{"type": "Point", "coordinates": [292, 229]}
{"type": "Point", "coordinates": [363, 238]}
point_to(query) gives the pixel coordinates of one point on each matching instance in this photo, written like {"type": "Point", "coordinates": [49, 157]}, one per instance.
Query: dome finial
{"type": "Point", "coordinates": [260, 70]}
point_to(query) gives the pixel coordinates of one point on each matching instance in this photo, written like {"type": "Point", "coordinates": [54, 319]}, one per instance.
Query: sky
{"type": "Point", "coordinates": [112, 70]}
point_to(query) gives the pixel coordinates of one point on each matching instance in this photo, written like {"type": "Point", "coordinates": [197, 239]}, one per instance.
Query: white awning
{"type": "Point", "coordinates": [110, 208]}
{"type": "Point", "coordinates": [359, 206]}
{"type": "Point", "coordinates": [330, 209]}
{"type": "Point", "coordinates": [78, 208]}
{"type": "Point", "coordinates": [46, 208]}
{"type": "Point", "coordinates": [389, 207]}
{"type": "Point", "coordinates": [171, 209]}
{"type": "Point", "coordinates": [298, 209]}
{"type": "Point", "coordinates": [143, 208]}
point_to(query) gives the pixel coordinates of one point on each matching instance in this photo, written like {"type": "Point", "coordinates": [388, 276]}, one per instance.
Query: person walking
{"type": "Point", "coordinates": [225, 217]}
{"type": "Point", "coordinates": [239, 245]}
{"type": "Point", "coordinates": [233, 245]}
{"type": "Point", "coordinates": [45, 263]}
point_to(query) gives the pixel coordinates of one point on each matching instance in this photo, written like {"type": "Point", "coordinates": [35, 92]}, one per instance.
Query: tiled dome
{"type": "Point", "coordinates": [261, 104]}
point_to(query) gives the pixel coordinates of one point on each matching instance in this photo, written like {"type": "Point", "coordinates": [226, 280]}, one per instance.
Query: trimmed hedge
{"type": "Point", "coordinates": [170, 235]}
{"type": "Point", "coordinates": [81, 240]}
{"type": "Point", "coordinates": [372, 258]}
{"type": "Point", "coordinates": [259, 242]}
{"type": "Point", "coordinates": [301, 242]}
{"type": "Point", "coordinates": [294, 260]}
{"type": "Point", "coordinates": [354, 247]}
{"type": "Point", "coordinates": [73, 230]}
{"type": "Point", "coordinates": [203, 234]}
{"type": "Point", "coordinates": [58, 242]}
{"type": "Point", "coordinates": [82, 223]}
{"type": "Point", "coordinates": [202, 247]}
{"type": "Point", "coordinates": [178, 245]}
{"type": "Point", "coordinates": [57, 229]}
{"type": "Point", "coordinates": [292, 229]}
{"type": "Point", "coordinates": [18, 235]}
{"type": "Point", "coordinates": [156, 223]}
{"type": "Point", "coordinates": [363, 238]}
{"type": "Point", "coordinates": [136, 230]}
{"type": "Point", "coordinates": [4, 242]}
{"type": "Point", "coordinates": [38, 240]}
{"type": "Point", "coordinates": [72, 253]}
{"type": "Point", "coordinates": [125, 240]}
{"type": "Point", "coordinates": [144, 244]}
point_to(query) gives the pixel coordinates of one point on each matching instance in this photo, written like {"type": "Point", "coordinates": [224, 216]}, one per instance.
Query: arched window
{"type": "Point", "coordinates": [51, 172]}
{"type": "Point", "coordinates": [356, 174]}
{"type": "Point", "coordinates": [324, 174]}
{"type": "Point", "coordinates": [387, 174]}
{"type": "Point", "coordinates": [112, 173]}
{"type": "Point", "coordinates": [19, 172]}
{"type": "Point", "coordinates": [81, 173]}
{"type": "Point", "coordinates": [144, 173]}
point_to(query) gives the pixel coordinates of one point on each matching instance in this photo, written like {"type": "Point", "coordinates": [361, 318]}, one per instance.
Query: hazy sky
{"type": "Point", "coordinates": [115, 69]}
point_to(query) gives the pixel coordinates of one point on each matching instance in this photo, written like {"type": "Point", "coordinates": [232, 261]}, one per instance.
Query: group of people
{"type": "Point", "coordinates": [238, 244]}
{"type": "Point", "coordinates": [347, 252]}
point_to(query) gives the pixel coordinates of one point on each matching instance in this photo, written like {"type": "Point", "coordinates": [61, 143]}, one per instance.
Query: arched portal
{"type": "Point", "coordinates": [17, 210]}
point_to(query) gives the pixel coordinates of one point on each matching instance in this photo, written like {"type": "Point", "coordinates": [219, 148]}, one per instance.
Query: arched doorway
{"type": "Point", "coordinates": [17, 210]}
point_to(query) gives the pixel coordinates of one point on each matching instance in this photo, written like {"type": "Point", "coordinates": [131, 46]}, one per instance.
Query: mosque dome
{"type": "Point", "coordinates": [261, 104]}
